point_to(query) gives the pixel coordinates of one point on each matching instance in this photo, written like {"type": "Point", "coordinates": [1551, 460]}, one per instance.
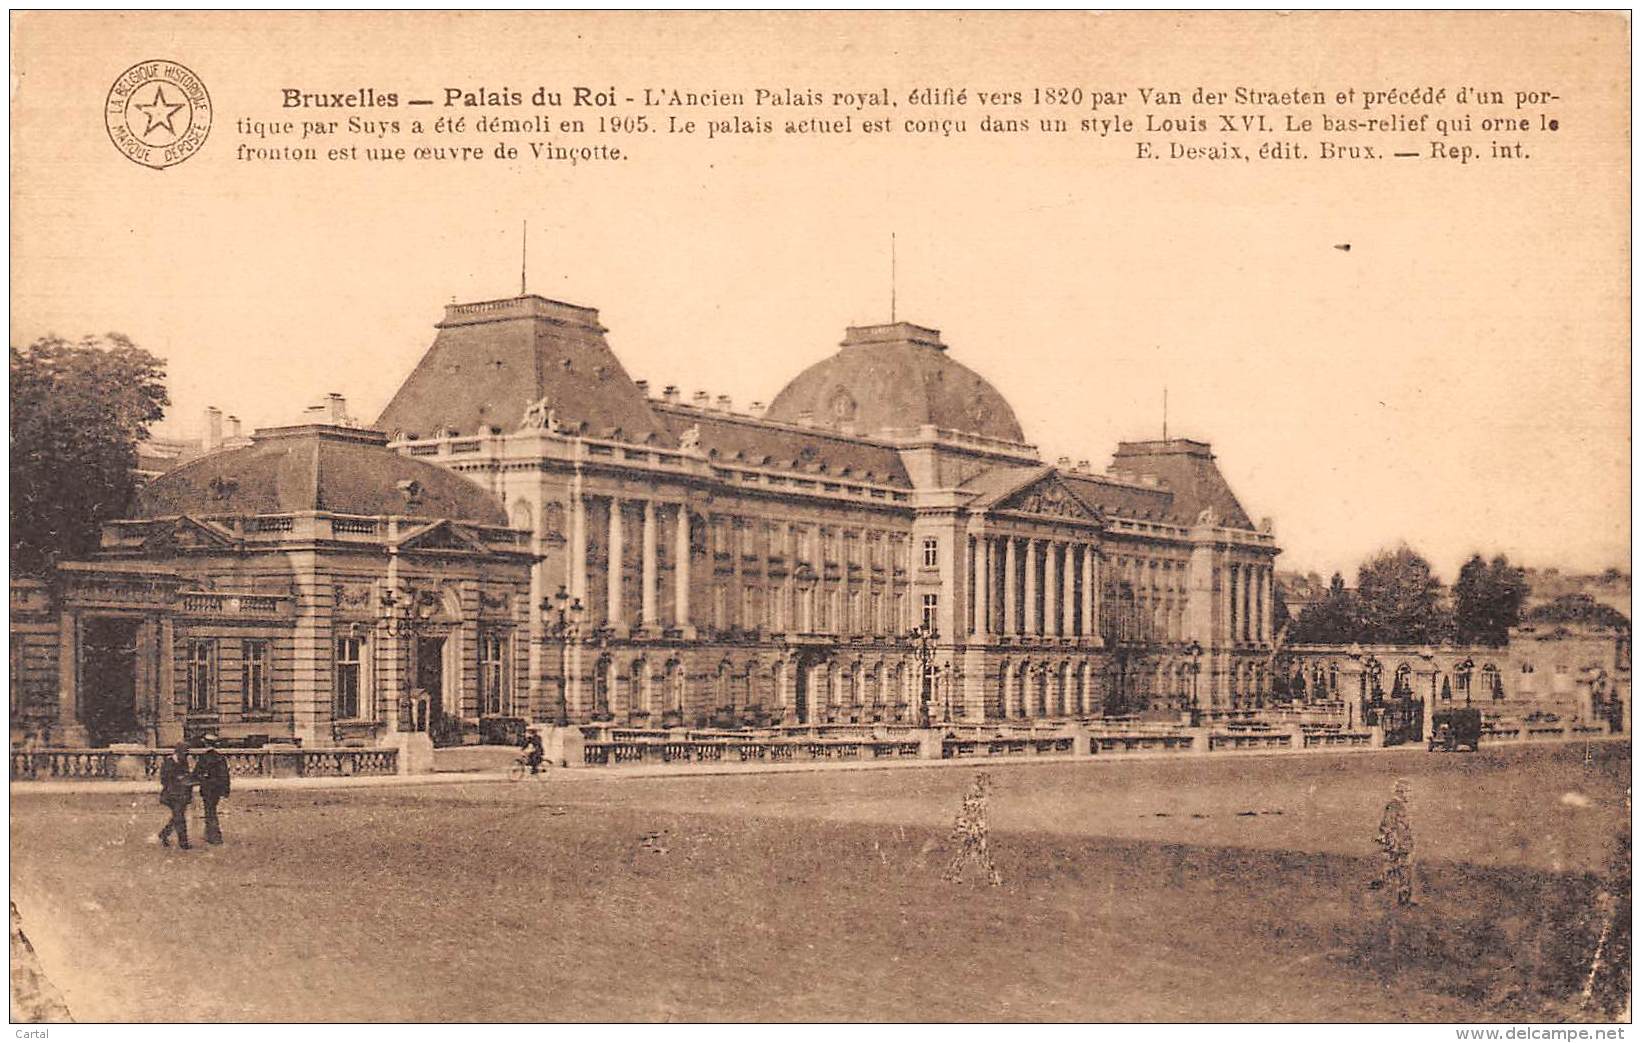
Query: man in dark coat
{"type": "Point", "coordinates": [176, 793]}
{"type": "Point", "coordinates": [211, 769]}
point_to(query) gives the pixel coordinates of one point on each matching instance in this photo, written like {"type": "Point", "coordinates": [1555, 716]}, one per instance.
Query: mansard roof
{"type": "Point", "coordinates": [732, 437]}
{"type": "Point", "coordinates": [492, 360]}
{"type": "Point", "coordinates": [1186, 468]}
{"type": "Point", "coordinates": [317, 467]}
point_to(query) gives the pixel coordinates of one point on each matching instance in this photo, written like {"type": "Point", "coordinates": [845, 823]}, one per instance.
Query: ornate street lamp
{"type": "Point", "coordinates": [1463, 669]}
{"type": "Point", "coordinates": [562, 616]}
{"type": "Point", "coordinates": [1194, 650]}
{"type": "Point", "coordinates": [923, 639]}
{"type": "Point", "coordinates": [397, 612]}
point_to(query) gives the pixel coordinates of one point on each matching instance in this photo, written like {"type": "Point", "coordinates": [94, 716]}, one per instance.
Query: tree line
{"type": "Point", "coordinates": [1398, 600]}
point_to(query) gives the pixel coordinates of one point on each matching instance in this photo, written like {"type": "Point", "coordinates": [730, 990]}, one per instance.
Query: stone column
{"type": "Point", "coordinates": [680, 572]}
{"type": "Point", "coordinates": [977, 625]}
{"type": "Point", "coordinates": [68, 731]}
{"type": "Point", "coordinates": [1032, 558]}
{"type": "Point", "coordinates": [1011, 587]}
{"type": "Point", "coordinates": [1247, 603]}
{"type": "Point", "coordinates": [649, 596]}
{"type": "Point", "coordinates": [1068, 590]}
{"type": "Point", "coordinates": [1269, 617]}
{"type": "Point", "coordinates": [615, 555]}
{"type": "Point", "coordinates": [1231, 578]}
{"type": "Point", "coordinates": [578, 546]}
{"type": "Point", "coordinates": [165, 695]}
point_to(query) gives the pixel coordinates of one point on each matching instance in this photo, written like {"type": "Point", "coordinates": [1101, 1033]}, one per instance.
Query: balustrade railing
{"type": "Point", "coordinates": [267, 762]}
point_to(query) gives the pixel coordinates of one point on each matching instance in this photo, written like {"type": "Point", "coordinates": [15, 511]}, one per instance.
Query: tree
{"type": "Point", "coordinates": [1487, 601]}
{"type": "Point", "coordinates": [78, 412]}
{"type": "Point", "coordinates": [1331, 621]}
{"type": "Point", "coordinates": [1579, 608]}
{"type": "Point", "coordinates": [1400, 600]}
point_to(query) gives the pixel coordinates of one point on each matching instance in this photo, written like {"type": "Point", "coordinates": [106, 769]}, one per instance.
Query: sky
{"type": "Point", "coordinates": [1458, 379]}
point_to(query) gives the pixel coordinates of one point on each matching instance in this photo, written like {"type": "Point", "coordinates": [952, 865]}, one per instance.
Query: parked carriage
{"type": "Point", "coordinates": [1453, 730]}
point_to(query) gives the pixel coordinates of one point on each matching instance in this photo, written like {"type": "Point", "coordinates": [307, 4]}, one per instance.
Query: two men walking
{"type": "Point", "coordinates": [209, 771]}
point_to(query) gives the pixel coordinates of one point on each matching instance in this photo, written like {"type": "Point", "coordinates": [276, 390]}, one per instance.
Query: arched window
{"type": "Point", "coordinates": [1402, 687]}
{"type": "Point", "coordinates": [522, 517]}
{"type": "Point", "coordinates": [1333, 678]}
{"type": "Point", "coordinates": [1491, 684]}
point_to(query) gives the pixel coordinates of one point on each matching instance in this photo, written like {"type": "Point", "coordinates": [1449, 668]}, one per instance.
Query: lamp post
{"type": "Point", "coordinates": [562, 616]}
{"type": "Point", "coordinates": [1194, 650]}
{"type": "Point", "coordinates": [923, 638]}
{"type": "Point", "coordinates": [1463, 669]}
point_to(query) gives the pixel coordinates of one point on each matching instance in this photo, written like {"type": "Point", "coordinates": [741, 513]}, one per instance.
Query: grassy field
{"type": "Point", "coordinates": [1205, 889]}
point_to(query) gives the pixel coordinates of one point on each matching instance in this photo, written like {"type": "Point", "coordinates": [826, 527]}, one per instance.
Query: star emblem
{"type": "Point", "coordinates": [159, 112]}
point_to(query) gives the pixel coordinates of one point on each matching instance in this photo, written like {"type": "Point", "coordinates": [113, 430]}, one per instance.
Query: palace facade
{"type": "Point", "coordinates": [879, 544]}
{"type": "Point", "coordinates": [532, 535]}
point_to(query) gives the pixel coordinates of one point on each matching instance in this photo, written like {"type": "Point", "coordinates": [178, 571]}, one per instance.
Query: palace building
{"type": "Point", "coordinates": [880, 544]}
{"type": "Point", "coordinates": [532, 535]}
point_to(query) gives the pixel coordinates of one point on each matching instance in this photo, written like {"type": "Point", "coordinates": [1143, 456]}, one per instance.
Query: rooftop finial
{"type": "Point", "coordinates": [524, 261]}
{"type": "Point", "coordinates": [1165, 412]}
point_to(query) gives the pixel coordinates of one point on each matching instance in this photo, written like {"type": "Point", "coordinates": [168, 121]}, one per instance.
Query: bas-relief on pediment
{"type": "Point", "coordinates": [1049, 499]}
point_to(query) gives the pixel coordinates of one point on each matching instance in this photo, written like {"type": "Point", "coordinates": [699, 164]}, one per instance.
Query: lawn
{"type": "Point", "coordinates": [1203, 889]}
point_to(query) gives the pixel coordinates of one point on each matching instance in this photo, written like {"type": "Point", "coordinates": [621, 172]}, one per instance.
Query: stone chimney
{"type": "Point", "coordinates": [211, 440]}
{"type": "Point", "coordinates": [671, 395]}
{"type": "Point", "coordinates": [1083, 466]}
{"type": "Point", "coordinates": [643, 387]}
{"type": "Point", "coordinates": [725, 405]}
{"type": "Point", "coordinates": [701, 400]}
{"type": "Point", "coordinates": [756, 409]}
{"type": "Point", "coordinates": [332, 409]}
{"type": "Point", "coordinates": [1064, 461]}
{"type": "Point", "coordinates": [233, 427]}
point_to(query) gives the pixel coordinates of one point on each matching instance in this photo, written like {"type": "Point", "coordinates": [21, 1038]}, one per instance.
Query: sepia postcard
{"type": "Point", "coordinates": [821, 517]}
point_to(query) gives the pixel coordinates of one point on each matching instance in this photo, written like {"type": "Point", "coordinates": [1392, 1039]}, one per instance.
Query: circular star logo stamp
{"type": "Point", "coordinates": [158, 113]}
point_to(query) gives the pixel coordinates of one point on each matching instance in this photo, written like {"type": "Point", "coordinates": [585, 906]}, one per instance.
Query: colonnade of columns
{"type": "Point", "coordinates": [649, 614]}
{"type": "Point", "coordinates": [1249, 592]}
{"type": "Point", "coordinates": [1061, 581]}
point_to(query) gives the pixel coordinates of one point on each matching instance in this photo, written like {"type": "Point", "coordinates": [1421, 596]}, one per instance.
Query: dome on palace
{"type": "Point", "coordinates": [317, 467]}
{"type": "Point", "coordinates": [892, 377]}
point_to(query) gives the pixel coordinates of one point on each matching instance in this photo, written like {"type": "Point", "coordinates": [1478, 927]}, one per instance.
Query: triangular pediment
{"type": "Point", "coordinates": [443, 535]}
{"type": "Point", "coordinates": [1049, 497]}
{"type": "Point", "coordinates": [185, 533]}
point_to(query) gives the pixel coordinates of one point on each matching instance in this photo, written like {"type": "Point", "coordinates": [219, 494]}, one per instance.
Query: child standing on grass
{"type": "Point", "coordinates": [969, 833]}
{"type": "Point", "coordinates": [1396, 841]}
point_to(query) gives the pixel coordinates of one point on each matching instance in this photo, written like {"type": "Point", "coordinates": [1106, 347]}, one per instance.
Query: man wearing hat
{"type": "Point", "coordinates": [176, 793]}
{"type": "Point", "coordinates": [211, 770]}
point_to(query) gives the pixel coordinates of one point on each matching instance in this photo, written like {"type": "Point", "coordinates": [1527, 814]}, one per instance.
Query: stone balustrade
{"type": "Point", "coordinates": [141, 763]}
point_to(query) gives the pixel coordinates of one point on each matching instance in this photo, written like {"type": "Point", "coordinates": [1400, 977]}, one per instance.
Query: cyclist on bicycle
{"type": "Point", "coordinates": [533, 751]}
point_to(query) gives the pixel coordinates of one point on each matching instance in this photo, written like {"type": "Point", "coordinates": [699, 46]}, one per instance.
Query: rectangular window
{"type": "Point", "coordinates": [931, 611]}
{"type": "Point", "coordinates": [257, 661]}
{"type": "Point", "coordinates": [202, 682]}
{"type": "Point", "coordinates": [493, 674]}
{"type": "Point", "coordinates": [348, 678]}
{"type": "Point", "coordinates": [931, 552]}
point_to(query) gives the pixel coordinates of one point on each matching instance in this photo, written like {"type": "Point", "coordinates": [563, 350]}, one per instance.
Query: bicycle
{"type": "Point", "coordinates": [519, 770]}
